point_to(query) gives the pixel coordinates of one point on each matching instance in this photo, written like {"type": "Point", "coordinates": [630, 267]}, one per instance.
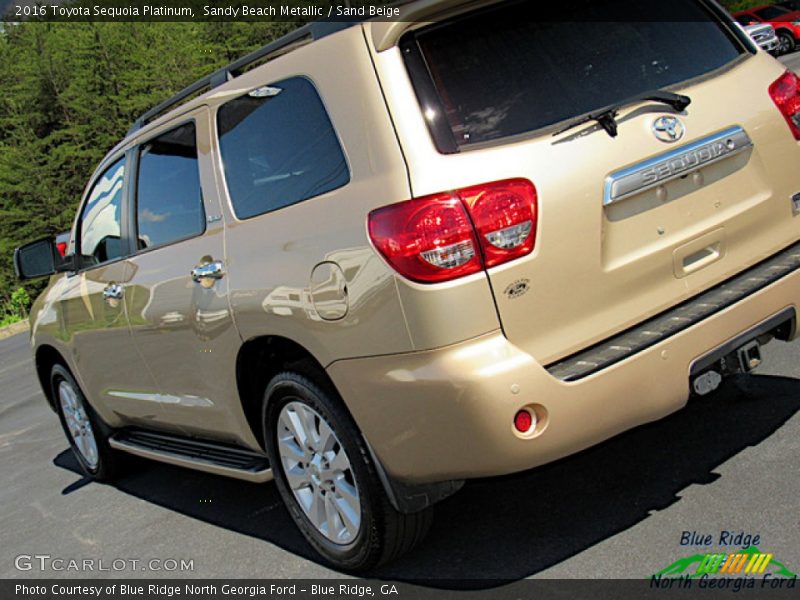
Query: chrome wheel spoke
{"type": "Point", "coordinates": [319, 472]}
{"type": "Point", "coordinates": [93, 454]}
{"type": "Point", "coordinates": [339, 463]}
{"type": "Point", "coordinates": [331, 516]}
{"type": "Point", "coordinates": [297, 477]}
{"type": "Point", "coordinates": [349, 496]}
{"type": "Point", "coordinates": [305, 496]}
{"type": "Point", "coordinates": [326, 438]}
{"type": "Point", "coordinates": [72, 424]}
{"type": "Point", "coordinates": [293, 425]}
{"type": "Point", "coordinates": [349, 520]}
{"type": "Point", "coordinates": [292, 449]}
{"type": "Point", "coordinates": [83, 446]}
{"type": "Point", "coordinates": [309, 426]}
{"type": "Point", "coordinates": [317, 509]}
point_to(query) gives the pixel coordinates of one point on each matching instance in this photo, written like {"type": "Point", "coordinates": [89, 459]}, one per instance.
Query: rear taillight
{"type": "Point", "coordinates": [504, 213]}
{"type": "Point", "coordinates": [62, 248]}
{"type": "Point", "coordinates": [785, 93]}
{"type": "Point", "coordinates": [427, 239]}
{"type": "Point", "coordinates": [445, 236]}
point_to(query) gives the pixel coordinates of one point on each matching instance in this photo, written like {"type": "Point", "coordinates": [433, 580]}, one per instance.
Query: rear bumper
{"type": "Point", "coordinates": [447, 413]}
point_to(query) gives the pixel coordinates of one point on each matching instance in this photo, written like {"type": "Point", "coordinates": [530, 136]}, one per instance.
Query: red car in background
{"type": "Point", "coordinates": [785, 21]}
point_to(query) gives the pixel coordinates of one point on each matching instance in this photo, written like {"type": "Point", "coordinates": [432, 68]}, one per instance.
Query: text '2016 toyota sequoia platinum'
{"type": "Point", "coordinates": [398, 255]}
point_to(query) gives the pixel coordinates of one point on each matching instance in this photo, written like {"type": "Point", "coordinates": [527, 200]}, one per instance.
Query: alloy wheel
{"type": "Point", "coordinates": [78, 424]}
{"type": "Point", "coordinates": [784, 44]}
{"type": "Point", "coordinates": [319, 472]}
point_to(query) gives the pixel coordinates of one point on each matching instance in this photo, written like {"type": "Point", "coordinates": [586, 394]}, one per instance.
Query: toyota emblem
{"type": "Point", "coordinates": [668, 129]}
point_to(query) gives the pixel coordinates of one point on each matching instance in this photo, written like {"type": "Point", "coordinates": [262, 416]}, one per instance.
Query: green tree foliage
{"type": "Point", "coordinates": [20, 300]}
{"type": "Point", "coordinates": [68, 94]}
{"type": "Point", "coordinates": [17, 307]}
{"type": "Point", "coordinates": [734, 5]}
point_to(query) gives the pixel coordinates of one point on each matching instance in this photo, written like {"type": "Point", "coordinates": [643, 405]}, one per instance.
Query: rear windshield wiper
{"type": "Point", "coordinates": [607, 117]}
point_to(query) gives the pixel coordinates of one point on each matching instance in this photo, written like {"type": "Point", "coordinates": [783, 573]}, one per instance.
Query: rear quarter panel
{"type": "Point", "coordinates": [271, 257]}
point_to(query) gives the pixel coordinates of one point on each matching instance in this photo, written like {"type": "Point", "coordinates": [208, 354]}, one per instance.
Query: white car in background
{"type": "Point", "coordinates": [763, 34]}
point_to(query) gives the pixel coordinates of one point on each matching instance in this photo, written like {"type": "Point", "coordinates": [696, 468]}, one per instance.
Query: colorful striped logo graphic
{"type": "Point", "coordinates": [732, 564]}
{"type": "Point", "coordinates": [747, 561]}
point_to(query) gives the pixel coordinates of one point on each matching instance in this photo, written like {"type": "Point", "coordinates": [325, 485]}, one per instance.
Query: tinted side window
{"type": "Point", "coordinates": [169, 204]}
{"type": "Point", "coordinates": [102, 216]}
{"type": "Point", "coordinates": [278, 147]}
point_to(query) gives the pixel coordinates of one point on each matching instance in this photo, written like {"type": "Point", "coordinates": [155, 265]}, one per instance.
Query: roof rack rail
{"type": "Point", "coordinates": [309, 32]}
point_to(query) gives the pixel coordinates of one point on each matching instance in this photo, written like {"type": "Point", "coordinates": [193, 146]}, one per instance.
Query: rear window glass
{"type": "Point", "coordinates": [278, 148]}
{"type": "Point", "coordinates": [500, 72]}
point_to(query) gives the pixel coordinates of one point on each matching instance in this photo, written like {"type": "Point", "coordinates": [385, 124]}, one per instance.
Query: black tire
{"type": "Point", "coordinates": [108, 461]}
{"type": "Point", "coordinates": [786, 42]}
{"type": "Point", "coordinates": [384, 533]}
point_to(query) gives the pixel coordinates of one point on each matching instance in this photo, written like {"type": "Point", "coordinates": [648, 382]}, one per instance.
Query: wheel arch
{"type": "Point", "coordinates": [261, 358]}
{"type": "Point", "coordinates": [45, 358]}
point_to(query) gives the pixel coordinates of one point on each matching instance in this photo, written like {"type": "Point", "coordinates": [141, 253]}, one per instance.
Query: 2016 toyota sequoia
{"type": "Point", "coordinates": [398, 255]}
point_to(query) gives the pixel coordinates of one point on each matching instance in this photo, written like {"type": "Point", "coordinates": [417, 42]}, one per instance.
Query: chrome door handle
{"type": "Point", "coordinates": [211, 270]}
{"type": "Point", "coordinates": [113, 291]}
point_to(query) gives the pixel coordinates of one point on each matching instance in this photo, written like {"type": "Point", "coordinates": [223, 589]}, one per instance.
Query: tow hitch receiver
{"type": "Point", "coordinates": [741, 354]}
{"type": "Point", "coordinates": [749, 356]}
{"type": "Point", "coordinates": [742, 360]}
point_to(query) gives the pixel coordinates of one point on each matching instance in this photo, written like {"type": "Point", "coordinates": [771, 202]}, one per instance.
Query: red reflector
{"type": "Point", "coordinates": [523, 421]}
{"type": "Point", "coordinates": [449, 235]}
{"type": "Point", "coordinates": [785, 93]}
{"type": "Point", "coordinates": [62, 248]}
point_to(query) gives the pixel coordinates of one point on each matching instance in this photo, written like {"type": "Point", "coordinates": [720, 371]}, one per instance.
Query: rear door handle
{"type": "Point", "coordinates": [113, 291]}
{"type": "Point", "coordinates": [699, 253]}
{"type": "Point", "coordinates": [208, 271]}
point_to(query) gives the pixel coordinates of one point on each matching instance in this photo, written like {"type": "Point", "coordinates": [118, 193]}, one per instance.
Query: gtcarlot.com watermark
{"type": "Point", "coordinates": [48, 563]}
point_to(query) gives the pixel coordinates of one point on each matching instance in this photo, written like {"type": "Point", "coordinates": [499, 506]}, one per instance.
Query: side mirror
{"type": "Point", "coordinates": [37, 259]}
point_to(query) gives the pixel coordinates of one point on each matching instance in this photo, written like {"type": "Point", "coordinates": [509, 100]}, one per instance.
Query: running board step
{"type": "Point", "coordinates": [211, 457]}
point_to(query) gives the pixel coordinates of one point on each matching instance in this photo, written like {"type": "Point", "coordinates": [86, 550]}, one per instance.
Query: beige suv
{"type": "Point", "coordinates": [398, 255]}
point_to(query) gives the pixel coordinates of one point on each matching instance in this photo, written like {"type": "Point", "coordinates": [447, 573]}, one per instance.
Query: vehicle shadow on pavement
{"type": "Point", "coordinates": [503, 529]}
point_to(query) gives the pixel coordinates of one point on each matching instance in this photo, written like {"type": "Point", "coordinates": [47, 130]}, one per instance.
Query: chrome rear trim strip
{"type": "Point", "coordinates": [675, 163]}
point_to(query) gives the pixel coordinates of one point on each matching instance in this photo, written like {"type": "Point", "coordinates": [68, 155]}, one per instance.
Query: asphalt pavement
{"type": "Point", "coordinates": [725, 463]}
{"type": "Point", "coordinates": [792, 61]}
